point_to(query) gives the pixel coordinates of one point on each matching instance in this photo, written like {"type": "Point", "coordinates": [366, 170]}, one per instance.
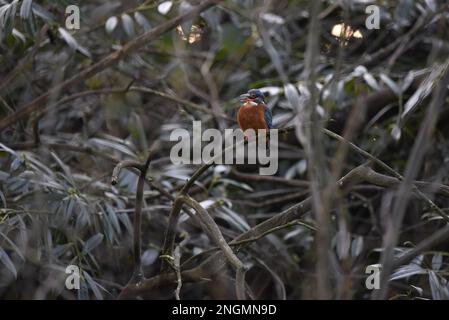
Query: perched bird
{"type": "Point", "coordinates": [254, 113]}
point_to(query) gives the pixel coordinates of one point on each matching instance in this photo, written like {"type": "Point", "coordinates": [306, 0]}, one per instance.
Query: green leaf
{"type": "Point", "coordinates": [142, 21]}
{"type": "Point", "coordinates": [18, 35]}
{"type": "Point", "coordinates": [186, 26]}
{"type": "Point", "coordinates": [71, 41]}
{"type": "Point", "coordinates": [30, 25]}
{"type": "Point", "coordinates": [43, 13]}
{"type": "Point", "coordinates": [165, 7]}
{"type": "Point", "coordinates": [13, 245]}
{"type": "Point", "coordinates": [111, 24]}
{"type": "Point", "coordinates": [113, 218]}
{"type": "Point", "coordinates": [137, 130]}
{"type": "Point", "coordinates": [4, 258]}
{"type": "Point", "coordinates": [437, 261]}
{"type": "Point", "coordinates": [391, 84]}
{"type": "Point", "coordinates": [25, 9]}
{"type": "Point", "coordinates": [68, 38]}
{"type": "Point", "coordinates": [7, 13]}
{"type": "Point", "coordinates": [128, 25]}
{"type": "Point", "coordinates": [407, 271]}
{"type": "Point", "coordinates": [92, 243]}
{"type": "Point", "coordinates": [83, 292]}
{"type": "Point", "coordinates": [435, 286]}
{"type": "Point", "coordinates": [93, 285]}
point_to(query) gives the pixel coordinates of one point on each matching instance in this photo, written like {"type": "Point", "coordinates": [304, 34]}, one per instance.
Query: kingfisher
{"type": "Point", "coordinates": [254, 113]}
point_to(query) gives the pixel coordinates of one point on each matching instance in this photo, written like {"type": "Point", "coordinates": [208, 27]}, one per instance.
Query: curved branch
{"type": "Point", "coordinates": [170, 233]}
{"type": "Point", "coordinates": [214, 233]}
{"type": "Point", "coordinates": [137, 238]}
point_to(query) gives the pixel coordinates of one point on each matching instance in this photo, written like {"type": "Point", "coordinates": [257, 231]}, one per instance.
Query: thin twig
{"type": "Point", "coordinates": [234, 243]}
{"type": "Point", "coordinates": [177, 265]}
{"type": "Point", "coordinates": [387, 168]}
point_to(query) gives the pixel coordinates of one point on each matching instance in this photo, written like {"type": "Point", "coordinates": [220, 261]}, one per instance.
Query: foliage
{"type": "Point", "coordinates": [59, 208]}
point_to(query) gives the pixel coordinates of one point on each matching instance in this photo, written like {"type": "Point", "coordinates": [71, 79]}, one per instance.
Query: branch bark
{"type": "Point", "coordinates": [137, 235]}
{"type": "Point", "coordinates": [214, 233]}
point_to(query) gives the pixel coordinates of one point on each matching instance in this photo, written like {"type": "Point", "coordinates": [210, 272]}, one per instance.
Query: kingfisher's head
{"type": "Point", "coordinates": [253, 96]}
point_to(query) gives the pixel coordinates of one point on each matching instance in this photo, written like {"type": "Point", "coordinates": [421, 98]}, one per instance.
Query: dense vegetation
{"type": "Point", "coordinates": [363, 156]}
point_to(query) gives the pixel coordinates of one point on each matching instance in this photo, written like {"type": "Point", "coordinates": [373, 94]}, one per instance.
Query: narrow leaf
{"type": "Point", "coordinates": [165, 7]}
{"type": "Point", "coordinates": [142, 21]}
{"type": "Point", "coordinates": [4, 258]}
{"type": "Point", "coordinates": [25, 9]}
{"type": "Point", "coordinates": [128, 25]}
{"type": "Point", "coordinates": [92, 243]}
{"type": "Point", "coordinates": [111, 23]}
{"type": "Point", "coordinates": [93, 285]}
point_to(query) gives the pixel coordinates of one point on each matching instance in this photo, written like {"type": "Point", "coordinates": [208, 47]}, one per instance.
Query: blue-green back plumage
{"type": "Point", "coordinates": [268, 117]}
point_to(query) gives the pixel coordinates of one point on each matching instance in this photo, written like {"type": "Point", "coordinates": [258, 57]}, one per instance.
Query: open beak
{"type": "Point", "coordinates": [247, 99]}
{"type": "Point", "coordinates": [244, 97]}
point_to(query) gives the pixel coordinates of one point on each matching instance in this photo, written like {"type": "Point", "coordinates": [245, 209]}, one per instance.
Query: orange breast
{"type": "Point", "coordinates": [251, 117]}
